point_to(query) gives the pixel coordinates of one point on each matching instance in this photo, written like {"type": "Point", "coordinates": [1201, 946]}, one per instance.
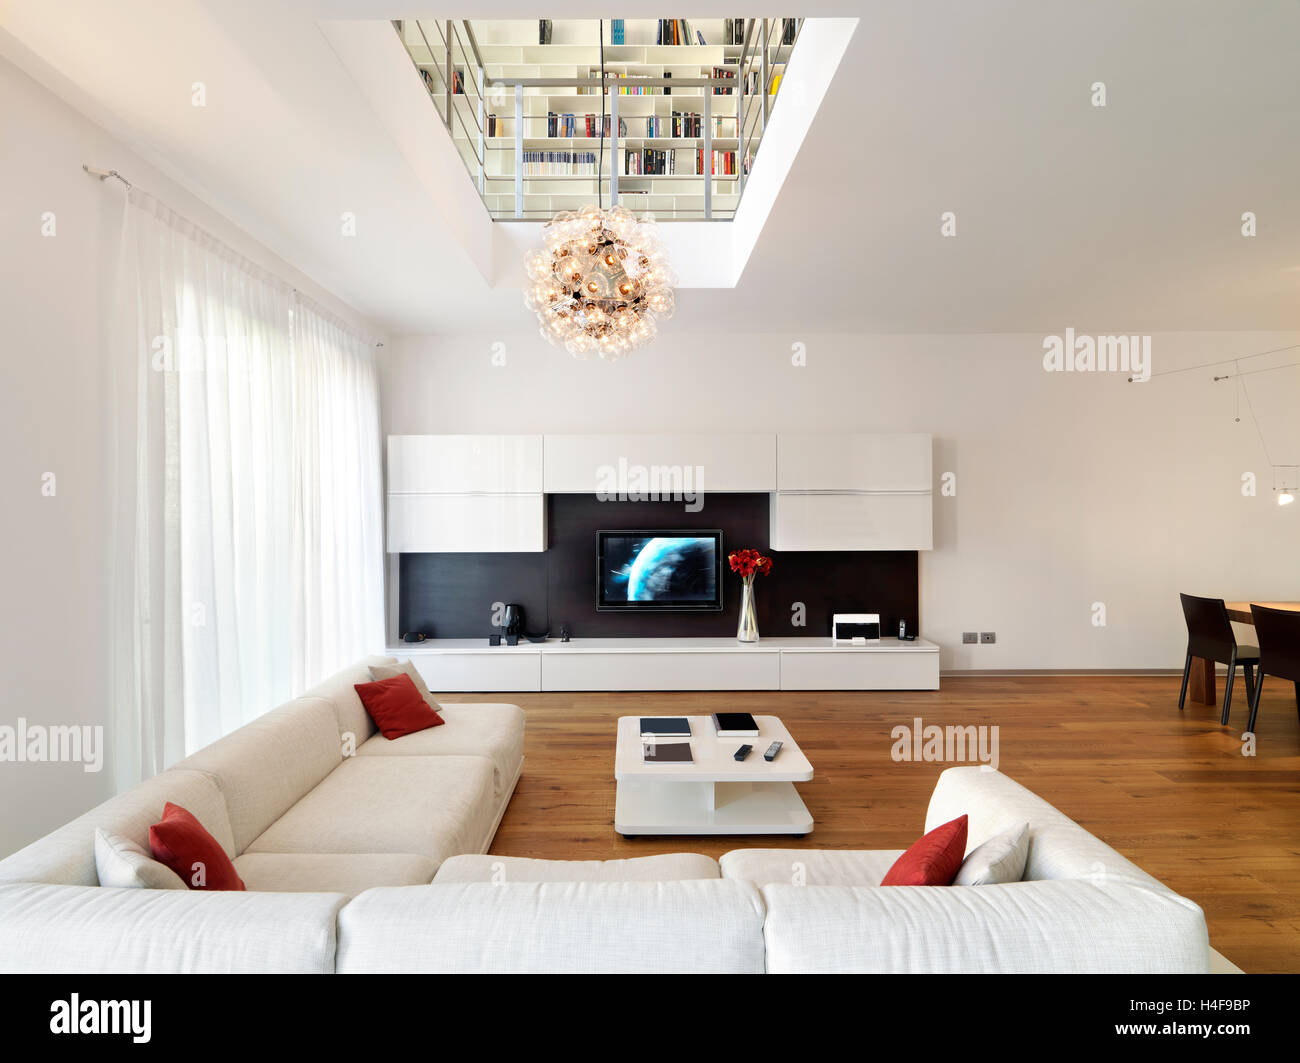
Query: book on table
{"type": "Point", "coordinates": [735, 725]}
{"type": "Point", "coordinates": [665, 727]}
{"type": "Point", "coordinates": [667, 753]}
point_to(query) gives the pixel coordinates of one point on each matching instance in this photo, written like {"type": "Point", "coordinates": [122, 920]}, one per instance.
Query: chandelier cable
{"type": "Point", "coordinates": [600, 166]}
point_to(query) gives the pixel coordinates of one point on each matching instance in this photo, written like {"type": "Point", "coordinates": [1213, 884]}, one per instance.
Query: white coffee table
{"type": "Point", "coordinates": [715, 794]}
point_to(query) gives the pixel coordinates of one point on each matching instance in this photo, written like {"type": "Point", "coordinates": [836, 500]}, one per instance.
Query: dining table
{"type": "Point", "coordinates": [1201, 686]}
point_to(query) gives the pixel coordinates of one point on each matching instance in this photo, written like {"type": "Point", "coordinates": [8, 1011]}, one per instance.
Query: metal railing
{"type": "Point", "coordinates": [451, 54]}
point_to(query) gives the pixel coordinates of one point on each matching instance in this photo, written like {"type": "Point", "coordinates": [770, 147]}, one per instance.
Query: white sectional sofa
{"type": "Point", "coordinates": [365, 855]}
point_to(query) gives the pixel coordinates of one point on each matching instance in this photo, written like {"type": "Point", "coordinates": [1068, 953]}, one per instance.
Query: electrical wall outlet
{"type": "Point", "coordinates": [988, 637]}
{"type": "Point", "coordinates": [969, 638]}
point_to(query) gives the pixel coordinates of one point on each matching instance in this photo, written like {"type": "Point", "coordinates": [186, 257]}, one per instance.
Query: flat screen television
{"type": "Point", "coordinates": [668, 571]}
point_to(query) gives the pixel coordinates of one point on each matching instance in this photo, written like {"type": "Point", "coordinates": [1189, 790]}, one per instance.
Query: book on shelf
{"type": "Point", "coordinates": [723, 73]}
{"type": "Point", "coordinates": [616, 31]}
{"type": "Point", "coordinates": [722, 164]}
{"type": "Point", "coordinates": [788, 29]}
{"type": "Point", "coordinates": [735, 725]}
{"type": "Point", "coordinates": [647, 162]}
{"type": "Point", "coordinates": [733, 31]}
{"type": "Point", "coordinates": [559, 164]}
{"type": "Point", "coordinates": [458, 82]}
{"type": "Point", "coordinates": [674, 31]}
{"type": "Point", "coordinates": [593, 128]}
{"type": "Point", "coordinates": [665, 727]}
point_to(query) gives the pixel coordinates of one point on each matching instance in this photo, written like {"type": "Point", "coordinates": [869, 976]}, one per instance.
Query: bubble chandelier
{"type": "Point", "coordinates": [600, 282]}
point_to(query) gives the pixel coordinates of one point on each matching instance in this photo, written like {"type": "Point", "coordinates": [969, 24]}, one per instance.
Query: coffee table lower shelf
{"type": "Point", "coordinates": [650, 806]}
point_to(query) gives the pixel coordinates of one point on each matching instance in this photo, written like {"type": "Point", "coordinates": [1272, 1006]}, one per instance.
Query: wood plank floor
{"type": "Point", "coordinates": [1170, 791]}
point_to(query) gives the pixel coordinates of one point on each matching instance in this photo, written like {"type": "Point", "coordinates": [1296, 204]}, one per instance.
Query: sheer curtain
{"type": "Point", "coordinates": [337, 524]}
{"type": "Point", "coordinates": [247, 557]}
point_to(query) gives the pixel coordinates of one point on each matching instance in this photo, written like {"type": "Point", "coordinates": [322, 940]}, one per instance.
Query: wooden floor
{"type": "Point", "coordinates": [1170, 791]}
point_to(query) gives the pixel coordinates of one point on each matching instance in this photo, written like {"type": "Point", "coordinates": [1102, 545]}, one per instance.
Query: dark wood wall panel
{"type": "Point", "coordinates": [451, 595]}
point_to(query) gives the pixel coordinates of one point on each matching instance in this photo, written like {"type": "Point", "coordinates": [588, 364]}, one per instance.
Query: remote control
{"type": "Point", "coordinates": [744, 751]}
{"type": "Point", "coordinates": [772, 751]}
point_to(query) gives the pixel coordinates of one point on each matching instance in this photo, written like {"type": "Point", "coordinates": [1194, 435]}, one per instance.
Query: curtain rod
{"type": "Point", "coordinates": [104, 175]}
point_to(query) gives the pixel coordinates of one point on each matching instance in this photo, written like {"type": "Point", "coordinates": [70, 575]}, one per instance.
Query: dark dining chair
{"type": "Point", "coordinates": [1278, 631]}
{"type": "Point", "coordinates": [1210, 636]}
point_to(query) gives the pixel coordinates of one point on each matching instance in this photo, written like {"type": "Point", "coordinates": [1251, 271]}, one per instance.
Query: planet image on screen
{"type": "Point", "coordinates": [672, 570]}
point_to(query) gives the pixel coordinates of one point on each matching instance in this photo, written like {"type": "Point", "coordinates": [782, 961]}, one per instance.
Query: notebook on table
{"type": "Point", "coordinates": [665, 727]}
{"type": "Point", "coordinates": [667, 753]}
{"type": "Point", "coordinates": [735, 725]}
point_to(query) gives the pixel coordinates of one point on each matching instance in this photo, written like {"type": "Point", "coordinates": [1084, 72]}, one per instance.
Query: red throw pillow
{"type": "Point", "coordinates": [182, 843]}
{"type": "Point", "coordinates": [932, 861]}
{"type": "Point", "coordinates": [397, 707]}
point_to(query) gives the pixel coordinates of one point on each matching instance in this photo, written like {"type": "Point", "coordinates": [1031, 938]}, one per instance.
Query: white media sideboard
{"type": "Point", "coordinates": [610, 664]}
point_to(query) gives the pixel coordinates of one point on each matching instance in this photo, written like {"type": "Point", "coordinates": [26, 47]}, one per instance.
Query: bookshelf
{"type": "Point", "coordinates": [553, 128]}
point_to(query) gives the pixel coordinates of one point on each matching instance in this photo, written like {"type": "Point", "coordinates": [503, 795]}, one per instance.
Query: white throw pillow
{"type": "Point", "coordinates": [407, 667]}
{"type": "Point", "coordinates": [1000, 859]}
{"type": "Point", "coordinates": [121, 863]}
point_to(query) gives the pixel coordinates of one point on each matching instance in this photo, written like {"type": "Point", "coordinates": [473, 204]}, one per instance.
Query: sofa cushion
{"type": "Point", "coordinates": [354, 726]}
{"type": "Point", "coordinates": [67, 855]}
{"type": "Point", "coordinates": [933, 860]}
{"type": "Point", "coordinates": [346, 873]}
{"type": "Point", "coordinates": [998, 860]}
{"type": "Point", "coordinates": [121, 864]}
{"type": "Point", "coordinates": [397, 707]}
{"type": "Point", "coordinates": [705, 927]}
{"type": "Point", "coordinates": [432, 806]}
{"type": "Point", "coordinates": [81, 929]}
{"type": "Point", "coordinates": [490, 730]}
{"type": "Point", "coordinates": [809, 867]}
{"type": "Point", "coordinates": [269, 764]}
{"type": "Point", "coordinates": [1060, 926]}
{"type": "Point", "coordinates": [669, 867]}
{"type": "Point", "coordinates": [181, 842]}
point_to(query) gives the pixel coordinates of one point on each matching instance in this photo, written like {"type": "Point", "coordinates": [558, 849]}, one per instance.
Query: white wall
{"type": "Point", "coordinates": [1071, 488]}
{"type": "Point", "coordinates": [54, 418]}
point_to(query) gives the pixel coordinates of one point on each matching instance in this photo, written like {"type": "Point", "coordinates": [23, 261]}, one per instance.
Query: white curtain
{"type": "Point", "coordinates": [337, 519]}
{"type": "Point", "coordinates": [248, 557]}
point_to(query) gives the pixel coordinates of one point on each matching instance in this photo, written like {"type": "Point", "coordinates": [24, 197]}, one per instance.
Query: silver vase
{"type": "Point", "coordinates": [747, 630]}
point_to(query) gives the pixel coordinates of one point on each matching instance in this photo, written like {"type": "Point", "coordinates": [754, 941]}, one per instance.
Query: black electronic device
{"type": "Point", "coordinates": [744, 751]}
{"type": "Point", "coordinates": [772, 751]}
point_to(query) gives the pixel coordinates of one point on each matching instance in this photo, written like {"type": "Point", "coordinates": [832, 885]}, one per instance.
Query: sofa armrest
{"type": "Point", "coordinates": [92, 929]}
{"type": "Point", "coordinates": [1058, 847]}
{"type": "Point", "coordinates": [1055, 926]}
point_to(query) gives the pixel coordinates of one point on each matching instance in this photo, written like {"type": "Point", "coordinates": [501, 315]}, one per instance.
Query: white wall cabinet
{"type": "Point", "coordinates": [853, 462]}
{"type": "Point", "coordinates": [454, 524]}
{"type": "Point", "coordinates": [853, 492]}
{"type": "Point", "coordinates": [874, 520]}
{"type": "Point", "coordinates": [464, 464]}
{"type": "Point", "coordinates": [465, 494]}
{"type": "Point", "coordinates": [584, 464]}
{"type": "Point", "coordinates": [473, 494]}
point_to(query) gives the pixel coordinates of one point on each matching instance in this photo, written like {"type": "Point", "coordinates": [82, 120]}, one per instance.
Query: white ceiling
{"type": "Point", "coordinates": [1125, 218]}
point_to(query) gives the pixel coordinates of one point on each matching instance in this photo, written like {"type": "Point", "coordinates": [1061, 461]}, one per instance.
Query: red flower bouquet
{"type": "Point", "coordinates": [749, 563]}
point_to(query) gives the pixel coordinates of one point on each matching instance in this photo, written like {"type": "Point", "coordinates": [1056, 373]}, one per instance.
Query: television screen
{"type": "Point", "coordinates": [669, 570]}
